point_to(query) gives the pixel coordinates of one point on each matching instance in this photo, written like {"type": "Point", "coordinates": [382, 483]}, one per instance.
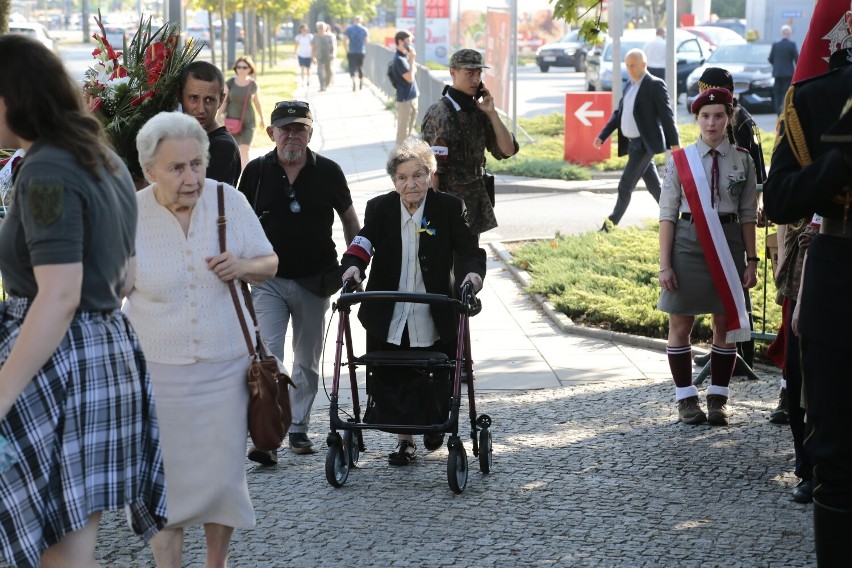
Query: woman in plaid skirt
{"type": "Point", "coordinates": [76, 403]}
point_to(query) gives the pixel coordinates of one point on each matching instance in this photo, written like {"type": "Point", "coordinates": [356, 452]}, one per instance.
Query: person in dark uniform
{"type": "Point", "coordinates": [810, 175]}
{"type": "Point", "coordinates": [746, 132]}
{"type": "Point", "coordinates": [202, 90]}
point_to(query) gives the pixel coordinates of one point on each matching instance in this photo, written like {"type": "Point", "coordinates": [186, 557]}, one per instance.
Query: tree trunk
{"type": "Point", "coordinates": [5, 13]}
{"type": "Point", "coordinates": [222, 34]}
{"type": "Point", "coordinates": [212, 44]}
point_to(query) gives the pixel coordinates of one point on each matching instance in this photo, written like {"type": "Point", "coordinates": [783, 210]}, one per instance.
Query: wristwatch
{"type": "Point", "coordinates": [752, 259]}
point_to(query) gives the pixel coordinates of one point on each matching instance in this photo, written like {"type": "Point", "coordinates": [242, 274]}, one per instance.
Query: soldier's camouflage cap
{"type": "Point", "coordinates": [467, 59]}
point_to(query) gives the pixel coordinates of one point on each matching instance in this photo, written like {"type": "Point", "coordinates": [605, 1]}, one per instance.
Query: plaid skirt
{"type": "Point", "coordinates": [85, 430]}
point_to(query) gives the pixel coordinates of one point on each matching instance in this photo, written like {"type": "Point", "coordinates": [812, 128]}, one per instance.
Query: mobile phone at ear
{"type": "Point", "coordinates": [480, 91]}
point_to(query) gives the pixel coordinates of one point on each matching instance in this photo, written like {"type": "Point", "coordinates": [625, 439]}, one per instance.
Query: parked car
{"type": "Point", "coordinates": [751, 72]}
{"type": "Point", "coordinates": [34, 30]}
{"type": "Point", "coordinates": [285, 32]}
{"type": "Point", "coordinates": [201, 34]}
{"type": "Point", "coordinates": [736, 24]}
{"type": "Point", "coordinates": [217, 31]}
{"type": "Point", "coordinates": [570, 51]}
{"type": "Point", "coordinates": [715, 35]}
{"type": "Point", "coordinates": [690, 50]}
{"type": "Point", "coordinates": [116, 36]}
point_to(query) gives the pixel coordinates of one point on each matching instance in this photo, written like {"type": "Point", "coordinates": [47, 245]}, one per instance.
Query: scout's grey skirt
{"type": "Point", "coordinates": [695, 293]}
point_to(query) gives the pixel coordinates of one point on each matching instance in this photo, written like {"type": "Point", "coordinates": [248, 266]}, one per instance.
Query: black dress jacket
{"type": "Point", "coordinates": [653, 115]}
{"type": "Point", "coordinates": [452, 237]}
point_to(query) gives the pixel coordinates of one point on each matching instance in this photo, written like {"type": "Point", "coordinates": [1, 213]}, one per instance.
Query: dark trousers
{"type": "Point", "coordinates": [356, 64]}
{"type": "Point", "coordinates": [825, 338]}
{"type": "Point", "coordinates": [793, 376]}
{"type": "Point", "coordinates": [640, 165]}
{"type": "Point", "coordinates": [779, 90]}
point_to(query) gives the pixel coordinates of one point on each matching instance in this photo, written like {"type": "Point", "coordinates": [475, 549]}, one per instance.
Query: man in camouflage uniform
{"type": "Point", "coordinates": [460, 127]}
{"type": "Point", "coordinates": [812, 173]}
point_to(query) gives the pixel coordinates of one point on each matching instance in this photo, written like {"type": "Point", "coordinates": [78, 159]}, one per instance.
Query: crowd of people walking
{"type": "Point", "coordinates": [122, 359]}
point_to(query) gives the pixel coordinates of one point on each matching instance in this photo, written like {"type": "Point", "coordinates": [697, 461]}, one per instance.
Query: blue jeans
{"type": "Point", "coordinates": [640, 165]}
{"type": "Point", "coordinates": [276, 301]}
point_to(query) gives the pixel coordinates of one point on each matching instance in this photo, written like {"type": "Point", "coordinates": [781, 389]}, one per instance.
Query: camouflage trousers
{"type": "Point", "coordinates": [480, 214]}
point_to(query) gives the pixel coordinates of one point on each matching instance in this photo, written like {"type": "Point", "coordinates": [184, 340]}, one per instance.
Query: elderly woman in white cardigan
{"type": "Point", "coordinates": [182, 311]}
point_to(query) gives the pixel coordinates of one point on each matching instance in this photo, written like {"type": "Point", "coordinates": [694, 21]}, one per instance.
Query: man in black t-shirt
{"type": "Point", "coordinates": [202, 90]}
{"type": "Point", "coordinates": [296, 193]}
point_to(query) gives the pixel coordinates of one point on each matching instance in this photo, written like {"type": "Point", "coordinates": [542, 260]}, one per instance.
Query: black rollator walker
{"type": "Point", "coordinates": [426, 401]}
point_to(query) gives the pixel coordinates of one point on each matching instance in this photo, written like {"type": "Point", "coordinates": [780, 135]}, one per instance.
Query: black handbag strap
{"type": "Point", "coordinates": [222, 224]}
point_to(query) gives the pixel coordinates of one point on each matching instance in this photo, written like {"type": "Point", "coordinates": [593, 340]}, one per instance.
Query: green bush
{"type": "Point", "coordinates": [609, 280]}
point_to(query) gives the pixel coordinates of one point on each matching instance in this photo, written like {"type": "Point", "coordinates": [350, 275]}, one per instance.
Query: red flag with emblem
{"type": "Point", "coordinates": [826, 34]}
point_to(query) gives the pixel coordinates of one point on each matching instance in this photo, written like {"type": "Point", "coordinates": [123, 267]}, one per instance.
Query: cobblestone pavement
{"type": "Point", "coordinates": [593, 475]}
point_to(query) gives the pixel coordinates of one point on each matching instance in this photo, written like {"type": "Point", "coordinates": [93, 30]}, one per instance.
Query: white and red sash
{"type": "Point", "coordinates": [723, 271]}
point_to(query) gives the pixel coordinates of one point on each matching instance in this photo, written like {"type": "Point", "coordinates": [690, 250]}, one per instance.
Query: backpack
{"type": "Point", "coordinates": [392, 74]}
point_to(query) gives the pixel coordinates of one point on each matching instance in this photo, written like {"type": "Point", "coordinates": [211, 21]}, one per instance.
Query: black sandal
{"type": "Point", "coordinates": [405, 452]}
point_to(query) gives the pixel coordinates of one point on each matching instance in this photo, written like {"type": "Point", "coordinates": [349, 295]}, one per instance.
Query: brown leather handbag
{"type": "Point", "coordinates": [269, 413]}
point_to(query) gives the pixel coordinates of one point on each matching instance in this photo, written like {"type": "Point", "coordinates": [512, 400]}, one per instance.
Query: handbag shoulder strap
{"type": "Point", "coordinates": [222, 223]}
{"type": "Point", "coordinates": [245, 100]}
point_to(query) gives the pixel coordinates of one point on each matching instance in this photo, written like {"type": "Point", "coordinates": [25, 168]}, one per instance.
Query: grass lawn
{"type": "Point", "coordinates": [544, 157]}
{"type": "Point", "coordinates": [609, 280]}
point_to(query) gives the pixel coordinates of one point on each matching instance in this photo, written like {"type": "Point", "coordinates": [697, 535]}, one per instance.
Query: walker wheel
{"type": "Point", "coordinates": [336, 465]}
{"type": "Point", "coordinates": [350, 440]}
{"type": "Point", "coordinates": [485, 450]}
{"type": "Point", "coordinates": [457, 468]}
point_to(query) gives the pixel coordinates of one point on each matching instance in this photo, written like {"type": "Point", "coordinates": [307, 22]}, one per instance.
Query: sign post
{"type": "Point", "coordinates": [585, 116]}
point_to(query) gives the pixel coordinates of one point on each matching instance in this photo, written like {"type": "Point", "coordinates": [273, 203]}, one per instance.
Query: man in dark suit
{"type": "Point", "coordinates": [783, 57]}
{"type": "Point", "coordinates": [646, 127]}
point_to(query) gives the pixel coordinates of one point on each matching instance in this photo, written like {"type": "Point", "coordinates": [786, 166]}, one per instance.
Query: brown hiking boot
{"type": "Point", "coordinates": [717, 409]}
{"type": "Point", "coordinates": [690, 412]}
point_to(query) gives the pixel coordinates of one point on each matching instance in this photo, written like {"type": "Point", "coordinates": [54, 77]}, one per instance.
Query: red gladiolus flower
{"type": "Point", "coordinates": [119, 72]}
{"type": "Point", "coordinates": [155, 55]}
{"type": "Point", "coordinates": [141, 98]}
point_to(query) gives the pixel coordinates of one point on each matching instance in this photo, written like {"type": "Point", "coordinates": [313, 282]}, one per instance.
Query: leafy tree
{"type": "Point", "coordinates": [730, 9]}
{"type": "Point", "coordinates": [585, 12]}
{"type": "Point", "coordinates": [343, 10]}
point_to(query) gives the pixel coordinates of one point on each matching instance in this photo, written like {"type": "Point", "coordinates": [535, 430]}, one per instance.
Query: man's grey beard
{"type": "Point", "coordinates": [292, 156]}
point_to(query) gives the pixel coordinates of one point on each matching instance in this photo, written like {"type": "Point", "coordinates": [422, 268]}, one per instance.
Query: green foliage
{"type": "Point", "coordinates": [585, 12]}
{"type": "Point", "coordinates": [730, 9]}
{"type": "Point", "coordinates": [610, 280]}
{"type": "Point", "coordinates": [527, 167]}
